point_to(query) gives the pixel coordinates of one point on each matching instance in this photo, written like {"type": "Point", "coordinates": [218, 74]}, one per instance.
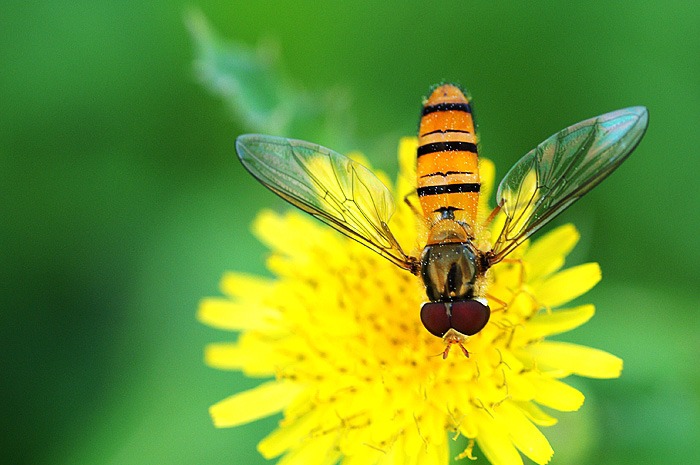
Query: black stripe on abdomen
{"type": "Point", "coordinates": [454, 146]}
{"type": "Point", "coordinates": [440, 173]}
{"type": "Point", "coordinates": [443, 131]}
{"type": "Point", "coordinates": [465, 107]}
{"type": "Point", "coordinates": [449, 189]}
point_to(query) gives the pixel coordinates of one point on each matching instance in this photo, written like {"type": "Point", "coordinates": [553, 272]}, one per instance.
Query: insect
{"type": "Point", "coordinates": [350, 198]}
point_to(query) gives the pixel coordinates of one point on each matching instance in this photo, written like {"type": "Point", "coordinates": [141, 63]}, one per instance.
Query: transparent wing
{"type": "Point", "coordinates": [327, 185]}
{"type": "Point", "coordinates": [561, 170]}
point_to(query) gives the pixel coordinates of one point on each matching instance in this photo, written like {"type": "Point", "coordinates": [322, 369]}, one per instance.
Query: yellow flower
{"type": "Point", "coordinates": [357, 377]}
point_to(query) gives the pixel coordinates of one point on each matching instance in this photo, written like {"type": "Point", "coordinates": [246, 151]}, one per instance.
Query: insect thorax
{"type": "Point", "coordinates": [449, 271]}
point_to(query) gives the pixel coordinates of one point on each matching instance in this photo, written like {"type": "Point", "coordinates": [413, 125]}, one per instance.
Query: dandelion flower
{"type": "Point", "coordinates": [355, 374]}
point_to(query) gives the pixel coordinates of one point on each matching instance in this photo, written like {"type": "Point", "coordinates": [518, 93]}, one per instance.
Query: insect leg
{"type": "Point", "coordinates": [410, 204]}
{"type": "Point", "coordinates": [493, 214]}
{"type": "Point", "coordinates": [503, 305]}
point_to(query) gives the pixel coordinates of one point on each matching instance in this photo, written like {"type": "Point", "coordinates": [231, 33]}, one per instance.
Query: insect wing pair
{"type": "Point", "coordinates": [350, 198]}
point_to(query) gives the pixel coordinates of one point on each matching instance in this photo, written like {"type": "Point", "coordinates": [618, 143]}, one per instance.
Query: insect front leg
{"type": "Point", "coordinates": [493, 214]}
{"type": "Point", "coordinates": [410, 204]}
{"type": "Point", "coordinates": [502, 304]}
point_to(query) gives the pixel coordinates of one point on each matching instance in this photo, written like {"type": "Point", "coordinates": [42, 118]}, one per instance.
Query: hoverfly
{"type": "Point", "coordinates": [348, 197]}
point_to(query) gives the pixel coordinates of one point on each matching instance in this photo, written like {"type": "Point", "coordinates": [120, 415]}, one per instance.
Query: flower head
{"type": "Point", "coordinates": [357, 377]}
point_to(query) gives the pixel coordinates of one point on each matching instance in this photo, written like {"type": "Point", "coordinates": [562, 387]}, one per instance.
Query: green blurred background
{"type": "Point", "coordinates": [123, 203]}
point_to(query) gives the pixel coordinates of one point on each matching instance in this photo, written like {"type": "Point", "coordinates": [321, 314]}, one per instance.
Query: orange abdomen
{"type": "Point", "coordinates": [448, 167]}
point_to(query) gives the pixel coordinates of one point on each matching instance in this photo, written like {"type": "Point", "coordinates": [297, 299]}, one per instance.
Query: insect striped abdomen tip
{"type": "Point", "coordinates": [446, 97]}
{"type": "Point", "coordinates": [446, 93]}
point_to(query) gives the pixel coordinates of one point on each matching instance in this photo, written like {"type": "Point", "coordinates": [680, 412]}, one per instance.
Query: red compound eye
{"type": "Point", "coordinates": [435, 319]}
{"type": "Point", "coordinates": [468, 317]}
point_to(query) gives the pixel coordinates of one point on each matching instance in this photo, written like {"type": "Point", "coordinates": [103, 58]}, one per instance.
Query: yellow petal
{"type": "Point", "coordinates": [407, 158]}
{"type": "Point", "coordinates": [495, 442]}
{"type": "Point", "coordinates": [468, 423]}
{"type": "Point", "coordinates": [431, 454]}
{"type": "Point", "coordinates": [556, 322]}
{"type": "Point", "coordinates": [318, 451]}
{"type": "Point", "coordinates": [576, 359]}
{"type": "Point", "coordinates": [553, 393]}
{"type": "Point", "coordinates": [225, 314]}
{"type": "Point", "coordinates": [288, 436]}
{"type": "Point", "coordinates": [568, 284]}
{"type": "Point", "coordinates": [487, 172]}
{"type": "Point", "coordinates": [360, 158]}
{"type": "Point", "coordinates": [301, 234]}
{"type": "Point", "coordinates": [432, 425]}
{"type": "Point", "coordinates": [524, 434]}
{"type": "Point", "coordinates": [224, 356]}
{"type": "Point", "coordinates": [405, 224]}
{"type": "Point", "coordinates": [496, 226]}
{"type": "Point", "coordinates": [364, 456]}
{"type": "Point", "coordinates": [254, 358]}
{"type": "Point", "coordinates": [547, 254]}
{"type": "Point", "coordinates": [520, 388]}
{"type": "Point", "coordinates": [256, 403]}
{"type": "Point", "coordinates": [241, 284]}
{"type": "Point", "coordinates": [394, 453]}
{"type": "Point", "coordinates": [413, 441]}
{"type": "Point", "coordinates": [535, 414]}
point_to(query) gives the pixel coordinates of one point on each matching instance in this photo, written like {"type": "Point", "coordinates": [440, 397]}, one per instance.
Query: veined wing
{"type": "Point", "coordinates": [327, 185]}
{"type": "Point", "coordinates": [561, 170]}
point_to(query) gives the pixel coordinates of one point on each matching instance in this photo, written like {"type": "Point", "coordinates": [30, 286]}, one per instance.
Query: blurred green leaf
{"type": "Point", "coordinates": [254, 87]}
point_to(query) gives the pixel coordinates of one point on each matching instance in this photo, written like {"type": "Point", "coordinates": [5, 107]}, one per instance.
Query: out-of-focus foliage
{"type": "Point", "coordinates": [255, 89]}
{"type": "Point", "coordinates": [123, 202]}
